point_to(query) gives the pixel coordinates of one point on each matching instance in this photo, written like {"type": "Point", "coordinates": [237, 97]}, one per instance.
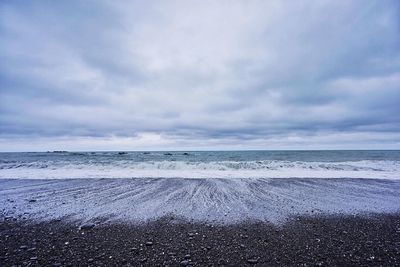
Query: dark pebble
{"type": "Point", "coordinates": [252, 261]}
{"type": "Point", "coordinates": [87, 226]}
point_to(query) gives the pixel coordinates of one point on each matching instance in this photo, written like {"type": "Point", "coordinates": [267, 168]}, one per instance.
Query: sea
{"type": "Point", "coordinates": [376, 164]}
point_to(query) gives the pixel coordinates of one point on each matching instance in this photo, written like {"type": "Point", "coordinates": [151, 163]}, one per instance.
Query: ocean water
{"type": "Point", "coordinates": [378, 164]}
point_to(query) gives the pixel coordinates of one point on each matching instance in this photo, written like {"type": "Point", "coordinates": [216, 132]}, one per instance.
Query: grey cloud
{"type": "Point", "coordinates": [199, 71]}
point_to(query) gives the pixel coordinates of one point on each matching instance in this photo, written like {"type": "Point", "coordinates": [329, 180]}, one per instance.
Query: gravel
{"type": "Point", "coordinates": [316, 241]}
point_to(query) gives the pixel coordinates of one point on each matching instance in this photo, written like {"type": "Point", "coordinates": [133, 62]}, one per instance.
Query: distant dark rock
{"type": "Point", "coordinates": [32, 200]}
{"type": "Point", "coordinates": [167, 154]}
{"type": "Point", "coordinates": [149, 243]}
{"type": "Point", "coordinates": [122, 153]}
{"type": "Point", "coordinates": [186, 154]}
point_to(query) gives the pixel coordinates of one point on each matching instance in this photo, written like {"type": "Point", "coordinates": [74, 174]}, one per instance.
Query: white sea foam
{"type": "Point", "coordinates": [211, 200]}
{"type": "Point", "coordinates": [379, 169]}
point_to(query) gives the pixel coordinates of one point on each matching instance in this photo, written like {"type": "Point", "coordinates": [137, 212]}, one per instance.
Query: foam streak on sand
{"type": "Point", "coordinates": [218, 200]}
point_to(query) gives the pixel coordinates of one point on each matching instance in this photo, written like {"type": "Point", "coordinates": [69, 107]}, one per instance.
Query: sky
{"type": "Point", "coordinates": [199, 75]}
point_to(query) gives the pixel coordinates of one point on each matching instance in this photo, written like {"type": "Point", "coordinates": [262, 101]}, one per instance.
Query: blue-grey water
{"type": "Point", "coordinates": [203, 164]}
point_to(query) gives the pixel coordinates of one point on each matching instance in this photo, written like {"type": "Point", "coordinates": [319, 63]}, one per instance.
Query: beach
{"type": "Point", "coordinates": [200, 222]}
{"type": "Point", "coordinates": [222, 208]}
{"type": "Point", "coordinates": [303, 241]}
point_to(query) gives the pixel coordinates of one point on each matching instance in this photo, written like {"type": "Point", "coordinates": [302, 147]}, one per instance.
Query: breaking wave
{"type": "Point", "coordinates": [195, 169]}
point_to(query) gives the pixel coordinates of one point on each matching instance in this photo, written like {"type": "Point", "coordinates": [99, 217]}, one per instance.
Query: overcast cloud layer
{"type": "Point", "coordinates": [101, 75]}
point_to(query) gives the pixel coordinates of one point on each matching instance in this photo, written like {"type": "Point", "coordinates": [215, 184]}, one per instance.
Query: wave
{"type": "Point", "coordinates": [196, 169]}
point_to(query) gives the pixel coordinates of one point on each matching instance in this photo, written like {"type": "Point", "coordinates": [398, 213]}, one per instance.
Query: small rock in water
{"type": "Point", "coordinates": [23, 247]}
{"type": "Point", "coordinates": [87, 226]}
{"type": "Point", "coordinates": [187, 256]}
{"type": "Point", "coordinates": [149, 243]}
{"type": "Point", "coordinates": [32, 200]}
{"type": "Point", "coordinates": [184, 263]}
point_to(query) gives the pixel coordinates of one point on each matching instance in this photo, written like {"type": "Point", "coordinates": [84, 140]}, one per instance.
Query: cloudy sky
{"type": "Point", "coordinates": [135, 75]}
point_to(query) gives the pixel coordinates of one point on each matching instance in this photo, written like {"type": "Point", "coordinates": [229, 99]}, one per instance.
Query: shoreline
{"type": "Point", "coordinates": [213, 200]}
{"type": "Point", "coordinates": [312, 240]}
{"type": "Point", "coordinates": [200, 222]}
